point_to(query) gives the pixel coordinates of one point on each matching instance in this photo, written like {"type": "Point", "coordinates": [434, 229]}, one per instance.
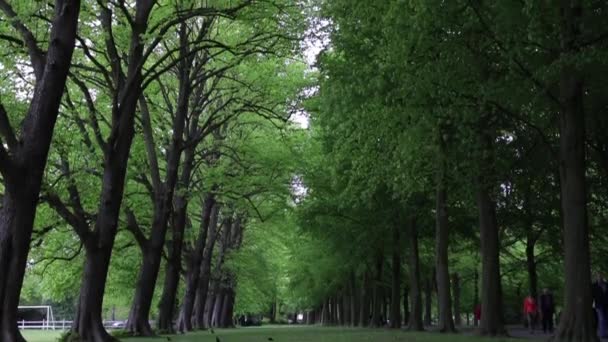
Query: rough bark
{"type": "Point", "coordinates": [22, 167]}
{"type": "Point", "coordinates": [415, 322]}
{"type": "Point", "coordinates": [576, 322]}
{"type": "Point", "coordinates": [395, 321]}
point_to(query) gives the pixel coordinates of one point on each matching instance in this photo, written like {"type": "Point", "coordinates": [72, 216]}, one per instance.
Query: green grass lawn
{"type": "Point", "coordinates": [291, 334]}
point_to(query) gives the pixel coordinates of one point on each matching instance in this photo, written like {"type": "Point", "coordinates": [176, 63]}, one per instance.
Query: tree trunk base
{"type": "Point", "coordinates": [93, 335]}
{"type": "Point", "coordinates": [140, 327]}
{"type": "Point", "coordinates": [492, 332]}
{"type": "Point", "coordinates": [11, 335]}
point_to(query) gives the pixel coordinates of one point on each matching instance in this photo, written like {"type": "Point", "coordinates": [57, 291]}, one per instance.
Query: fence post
{"type": "Point", "coordinates": [22, 324]}
{"type": "Point", "coordinates": [63, 325]}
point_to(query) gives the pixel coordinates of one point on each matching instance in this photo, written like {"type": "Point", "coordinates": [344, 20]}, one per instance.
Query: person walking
{"type": "Point", "coordinates": [530, 311]}
{"type": "Point", "coordinates": [547, 309]}
{"type": "Point", "coordinates": [600, 303]}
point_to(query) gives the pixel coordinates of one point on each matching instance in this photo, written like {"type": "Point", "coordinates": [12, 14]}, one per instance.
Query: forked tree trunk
{"type": "Point", "coordinates": [576, 322]}
{"type": "Point", "coordinates": [395, 322]}
{"type": "Point", "coordinates": [415, 321]}
{"type": "Point", "coordinates": [112, 189]}
{"type": "Point", "coordinates": [444, 298]}
{"type": "Point", "coordinates": [23, 170]}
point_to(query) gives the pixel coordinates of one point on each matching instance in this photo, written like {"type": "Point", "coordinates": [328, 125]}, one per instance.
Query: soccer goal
{"type": "Point", "coordinates": [36, 317]}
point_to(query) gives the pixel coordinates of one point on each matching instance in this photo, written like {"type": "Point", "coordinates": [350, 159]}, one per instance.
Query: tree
{"type": "Point", "coordinates": [23, 157]}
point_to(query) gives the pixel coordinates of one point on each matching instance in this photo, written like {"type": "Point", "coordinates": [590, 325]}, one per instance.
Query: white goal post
{"type": "Point", "coordinates": [45, 324]}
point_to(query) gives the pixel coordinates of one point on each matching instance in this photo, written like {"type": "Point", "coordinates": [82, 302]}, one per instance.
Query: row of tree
{"type": "Point", "coordinates": [484, 120]}
{"type": "Point", "coordinates": [142, 117]}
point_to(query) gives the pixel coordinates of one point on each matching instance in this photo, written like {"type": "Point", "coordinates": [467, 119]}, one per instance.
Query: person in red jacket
{"type": "Point", "coordinates": [530, 312]}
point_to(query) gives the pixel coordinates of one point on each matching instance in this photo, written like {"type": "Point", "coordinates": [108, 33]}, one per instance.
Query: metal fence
{"type": "Point", "coordinates": [63, 325]}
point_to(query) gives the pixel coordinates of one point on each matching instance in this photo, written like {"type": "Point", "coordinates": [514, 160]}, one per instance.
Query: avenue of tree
{"type": "Point", "coordinates": [153, 170]}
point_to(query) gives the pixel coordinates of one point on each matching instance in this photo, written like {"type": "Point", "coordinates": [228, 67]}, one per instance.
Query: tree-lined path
{"type": "Point", "coordinates": [171, 167]}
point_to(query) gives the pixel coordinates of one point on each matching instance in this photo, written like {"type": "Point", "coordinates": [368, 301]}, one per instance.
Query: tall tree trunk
{"type": "Point", "coordinates": [341, 309]}
{"type": "Point", "coordinates": [415, 322]}
{"type": "Point", "coordinates": [116, 156]}
{"type": "Point", "coordinates": [475, 295]}
{"type": "Point", "coordinates": [531, 265]}
{"type": "Point", "coordinates": [428, 300]}
{"type": "Point", "coordinates": [576, 322]}
{"type": "Point", "coordinates": [334, 310]}
{"type": "Point", "coordinates": [204, 242]}
{"type": "Point", "coordinates": [406, 305]}
{"type": "Point", "coordinates": [354, 302]}
{"type": "Point", "coordinates": [23, 165]}
{"type": "Point", "coordinates": [444, 299]}
{"type": "Point", "coordinates": [377, 300]}
{"type": "Point", "coordinates": [273, 312]}
{"type": "Point", "coordinates": [138, 323]}
{"type": "Point", "coordinates": [217, 306]}
{"type": "Point", "coordinates": [492, 323]}
{"type": "Point", "coordinates": [89, 309]}
{"type": "Point", "coordinates": [364, 313]}
{"type": "Point", "coordinates": [207, 308]}
{"type": "Point", "coordinates": [456, 294]}
{"type": "Point", "coordinates": [325, 312]}
{"type": "Point", "coordinates": [396, 286]}
{"type": "Point", "coordinates": [226, 320]}
{"type": "Point", "coordinates": [206, 274]}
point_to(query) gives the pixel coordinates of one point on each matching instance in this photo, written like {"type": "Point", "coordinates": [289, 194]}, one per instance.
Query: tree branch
{"type": "Point", "coordinates": [7, 130]}
{"type": "Point", "coordinates": [134, 228]}
{"type": "Point", "coordinates": [37, 56]}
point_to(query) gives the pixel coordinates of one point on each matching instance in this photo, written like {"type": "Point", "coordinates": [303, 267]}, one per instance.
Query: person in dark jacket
{"type": "Point", "coordinates": [600, 303]}
{"type": "Point", "coordinates": [547, 309]}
